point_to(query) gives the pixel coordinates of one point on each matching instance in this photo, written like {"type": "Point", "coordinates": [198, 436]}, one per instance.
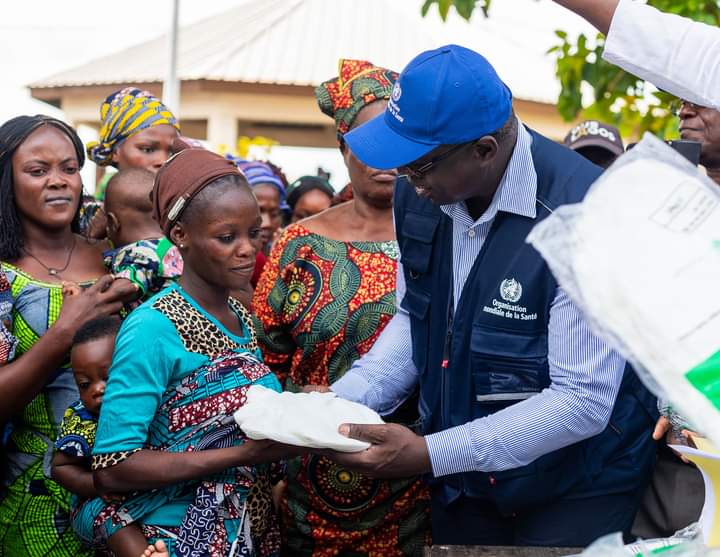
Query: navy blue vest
{"type": "Point", "coordinates": [498, 352]}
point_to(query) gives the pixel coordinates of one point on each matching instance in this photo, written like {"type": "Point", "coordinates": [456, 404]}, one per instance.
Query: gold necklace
{"type": "Point", "coordinates": [52, 271]}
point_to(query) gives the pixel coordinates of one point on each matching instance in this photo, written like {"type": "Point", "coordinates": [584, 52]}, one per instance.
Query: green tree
{"type": "Point", "coordinates": [617, 96]}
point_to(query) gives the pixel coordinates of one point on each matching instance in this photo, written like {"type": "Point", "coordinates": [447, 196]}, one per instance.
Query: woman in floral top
{"type": "Point", "coordinates": [325, 295]}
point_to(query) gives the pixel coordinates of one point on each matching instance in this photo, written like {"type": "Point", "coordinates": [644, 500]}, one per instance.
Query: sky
{"type": "Point", "coordinates": [42, 37]}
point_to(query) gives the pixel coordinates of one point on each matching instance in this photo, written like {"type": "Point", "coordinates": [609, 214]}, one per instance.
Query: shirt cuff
{"type": "Point", "coordinates": [451, 451]}
{"type": "Point", "coordinates": [616, 45]}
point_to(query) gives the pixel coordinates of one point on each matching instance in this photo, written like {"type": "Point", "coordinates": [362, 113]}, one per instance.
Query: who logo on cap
{"type": "Point", "coordinates": [445, 96]}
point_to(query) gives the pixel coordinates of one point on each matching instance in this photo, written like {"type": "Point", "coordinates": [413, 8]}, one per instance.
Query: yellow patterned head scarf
{"type": "Point", "coordinates": [124, 113]}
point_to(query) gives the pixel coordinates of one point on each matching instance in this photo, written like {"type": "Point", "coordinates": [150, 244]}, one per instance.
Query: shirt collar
{"type": "Point", "coordinates": [518, 187]}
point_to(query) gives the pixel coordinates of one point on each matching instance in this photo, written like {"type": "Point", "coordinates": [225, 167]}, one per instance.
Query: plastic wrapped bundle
{"type": "Point", "coordinates": [303, 419]}
{"type": "Point", "coordinates": [680, 546]}
{"type": "Point", "coordinates": [640, 256]}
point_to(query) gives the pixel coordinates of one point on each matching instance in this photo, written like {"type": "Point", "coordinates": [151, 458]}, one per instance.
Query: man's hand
{"type": "Point", "coordinates": [663, 428]}
{"type": "Point", "coordinates": [396, 452]}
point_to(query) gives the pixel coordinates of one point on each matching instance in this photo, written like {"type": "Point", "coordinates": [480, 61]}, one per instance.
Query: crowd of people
{"type": "Point", "coordinates": [133, 324]}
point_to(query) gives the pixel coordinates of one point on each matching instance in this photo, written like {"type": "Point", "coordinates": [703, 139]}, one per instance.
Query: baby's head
{"type": "Point", "coordinates": [91, 357]}
{"type": "Point", "coordinates": [128, 207]}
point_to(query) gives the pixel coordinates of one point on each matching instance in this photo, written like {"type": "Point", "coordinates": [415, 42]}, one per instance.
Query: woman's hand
{"type": "Point", "coordinates": [316, 389]}
{"type": "Point", "coordinates": [147, 469]}
{"type": "Point", "coordinates": [22, 379]}
{"type": "Point", "coordinates": [266, 451]}
{"type": "Point", "coordinates": [100, 300]}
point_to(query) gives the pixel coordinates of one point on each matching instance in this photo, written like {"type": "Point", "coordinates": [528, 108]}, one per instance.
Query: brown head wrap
{"type": "Point", "coordinates": [182, 177]}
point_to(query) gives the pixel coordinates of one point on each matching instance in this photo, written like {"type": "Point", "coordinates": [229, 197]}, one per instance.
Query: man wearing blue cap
{"type": "Point", "coordinates": [533, 431]}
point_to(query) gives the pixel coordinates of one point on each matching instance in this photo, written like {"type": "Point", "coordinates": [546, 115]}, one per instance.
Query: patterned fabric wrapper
{"type": "Point", "coordinates": [151, 265]}
{"type": "Point", "coordinates": [124, 113]}
{"type": "Point", "coordinates": [320, 305]}
{"type": "Point", "coordinates": [193, 421]}
{"type": "Point", "coordinates": [77, 432]}
{"type": "Point", "coordinates": [194, 413]}
{"type": "Point", "coordinates": [7, 341]}
{"type": "Point", "coordinates": [358, 84]}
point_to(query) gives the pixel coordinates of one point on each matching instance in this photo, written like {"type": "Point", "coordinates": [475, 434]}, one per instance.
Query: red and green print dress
{"type": "Point", "coordinates": [321, 304]}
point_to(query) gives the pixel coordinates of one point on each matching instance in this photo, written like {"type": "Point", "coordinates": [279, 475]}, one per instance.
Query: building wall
{"type": "Point", "coordinates": [288, 114]}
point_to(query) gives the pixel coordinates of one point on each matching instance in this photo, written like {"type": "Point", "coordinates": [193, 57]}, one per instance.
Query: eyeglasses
{"type": "Point", "coordinates": [676, 106]}
{"type": "Point", "coordinates": [421, 170]}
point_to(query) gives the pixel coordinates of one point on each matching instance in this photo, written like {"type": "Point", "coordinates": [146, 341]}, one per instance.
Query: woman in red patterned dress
{"type": "Point", "coordinates": [326, 293]}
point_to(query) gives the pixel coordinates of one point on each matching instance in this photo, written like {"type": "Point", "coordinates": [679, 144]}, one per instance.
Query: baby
{"type": "Point", "coordinates": [91, 357]}
{"type": "Point", "coordinates": [142, 254]}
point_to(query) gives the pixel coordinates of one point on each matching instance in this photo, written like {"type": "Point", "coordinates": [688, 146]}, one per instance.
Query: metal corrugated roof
{"type": "Point", "coordinates": [298, 42]}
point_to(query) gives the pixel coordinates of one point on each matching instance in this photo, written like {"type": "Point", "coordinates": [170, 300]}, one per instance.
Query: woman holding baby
{"type": "Point", "coordinates": [40, 248]}
{"type": "Point", "coordinates": [166, 454]}
{"type": "Point", "coordinates": [185, 359]}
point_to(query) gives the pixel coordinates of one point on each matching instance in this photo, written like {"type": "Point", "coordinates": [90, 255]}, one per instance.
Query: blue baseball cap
{"type": "Point", "coordinates": [445, 96]}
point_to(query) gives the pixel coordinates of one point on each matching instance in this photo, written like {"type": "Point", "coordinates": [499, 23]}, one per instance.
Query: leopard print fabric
{"type": "Point", "coordinates": [259, 505]}
{"type": "Point", "coordinates": [199, 335]}
{"type": "Point", "coordinates": [102, 461]}
{"type": "Point", "coordinates": [197, 332]}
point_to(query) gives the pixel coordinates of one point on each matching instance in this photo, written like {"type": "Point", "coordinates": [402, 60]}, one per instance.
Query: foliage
{"type": "Point", "coordinates": [617, 97]}
{"type": "Point", "coordinates": [464, 7]}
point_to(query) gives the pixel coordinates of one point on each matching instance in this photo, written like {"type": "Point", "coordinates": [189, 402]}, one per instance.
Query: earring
{"type": "Point", "coordinates": [182, 246]}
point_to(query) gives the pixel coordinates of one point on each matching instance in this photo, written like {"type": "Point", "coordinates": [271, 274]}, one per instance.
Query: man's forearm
{"type": "Point", "coordinates": [597, 12]}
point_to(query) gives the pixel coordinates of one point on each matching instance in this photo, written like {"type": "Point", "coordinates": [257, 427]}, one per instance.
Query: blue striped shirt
{"type": "Point", "coordinates": [585, 373]}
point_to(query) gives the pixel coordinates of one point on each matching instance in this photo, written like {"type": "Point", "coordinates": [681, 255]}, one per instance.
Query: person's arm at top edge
{"type": "Point", "coordinates": [598, 12]}
{"type": "Point", "coordinates": [384, 377]}
{"type": "Point", "coordinates": [674, 53]}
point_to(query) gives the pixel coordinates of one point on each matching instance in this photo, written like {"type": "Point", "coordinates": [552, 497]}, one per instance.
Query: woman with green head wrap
{"type": "Point", "coordinates": [327, 292]}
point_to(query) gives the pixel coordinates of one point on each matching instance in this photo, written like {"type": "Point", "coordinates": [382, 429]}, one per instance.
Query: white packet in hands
{"type": "Point", "coordinates": [303, 419]}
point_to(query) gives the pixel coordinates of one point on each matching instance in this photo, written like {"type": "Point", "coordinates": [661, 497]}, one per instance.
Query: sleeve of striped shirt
{"type": "Point", "coordinates": [585, 378]}
{"type": "Point", "coordinates": [386, 375]}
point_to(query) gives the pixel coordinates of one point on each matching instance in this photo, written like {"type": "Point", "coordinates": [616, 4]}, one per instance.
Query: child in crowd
{"type": "Point", "coordinates": [91, 356]}
{"type": "Point", "coordinates": [141, 253]}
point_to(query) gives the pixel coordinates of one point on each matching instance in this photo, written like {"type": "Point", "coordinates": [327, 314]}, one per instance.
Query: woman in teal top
{"type": "Point", "coordinates": [182, 365]}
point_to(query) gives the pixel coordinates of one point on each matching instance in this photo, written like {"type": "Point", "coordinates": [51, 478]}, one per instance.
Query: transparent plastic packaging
{"type": "Point", "coordinates": [640, 257]}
